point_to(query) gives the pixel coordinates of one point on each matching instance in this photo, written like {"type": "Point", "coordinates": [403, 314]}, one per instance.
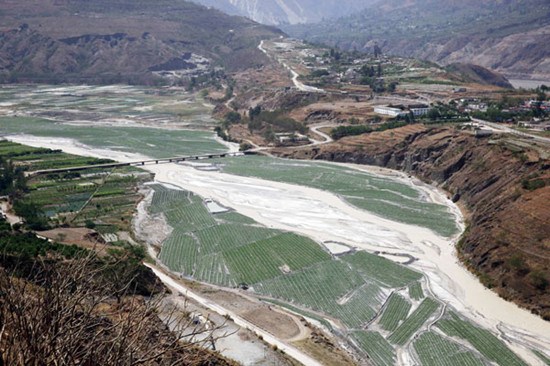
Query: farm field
{"type": "Point", "coordinates": [108, 105]}
{"type": "Point", "coordinates": [396, 311]}
{"type": "Point", "coordinates": [434, 350]}
{"type": "Point", "coordinates": [414, 322]}
{"type": "Point", "coordinates": [482, 340]}
{"type": "Point", "coordinates": [104, 198]}
{"type": "Point", "coordinates": [391, 199]}
{"type": "Point", "coordinates": [294, 272]}
{"type": "Point", "coordinates": [135, 120]}
{"type": "Point", "coordinates": [381, 353]}
{"type": "Point", "coordinates": [350, 294]}
{"type": "Point", "coordinates": [415, 291]}
{"type": "Point", "coordinates": [122, 118]}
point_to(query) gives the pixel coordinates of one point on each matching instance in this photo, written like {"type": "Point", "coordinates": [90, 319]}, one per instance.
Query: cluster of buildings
{"type": "Point", "coordinates": [402, 110]}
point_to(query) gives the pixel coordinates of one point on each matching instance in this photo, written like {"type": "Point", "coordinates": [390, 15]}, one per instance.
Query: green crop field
{"type": "Point", "coordinates": [434, 350]}
{"type": "Point", "coordinates": [415, 291]}
{"type": "Point", "coordinates": [414, 322]}
{"type": "Point", "coordinates": [105, 196]}
{"type": "Point", "coordinates": [381, 269]}
{"type": "Point", "coordinates": [381, 353]}
{"type": "Point", "coordinates": [264, 259]}
{"type": "Point", "coordinates": [395, 312]}
{"type": "Point", "coordinates": [482, 340]}
{"type": "Point", "coordinates": [331, 287]}
{"type": "Point", "coordinates": [229, 249]}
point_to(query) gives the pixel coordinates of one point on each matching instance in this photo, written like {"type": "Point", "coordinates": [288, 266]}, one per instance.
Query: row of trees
{"type": "Point", "coordinates": [12, 179]}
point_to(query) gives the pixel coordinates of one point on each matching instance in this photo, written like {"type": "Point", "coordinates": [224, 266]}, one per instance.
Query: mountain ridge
{"type": "Point", "coordinates": [116, 41]}
{"type": "Point", "coordinates": [277, 12]}
{"type": "Point", "coordinates": [507, 36]}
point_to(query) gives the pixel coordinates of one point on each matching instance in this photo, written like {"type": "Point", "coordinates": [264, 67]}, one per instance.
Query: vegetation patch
{"type": "Point", "coordinates": [434, 350]}
{"type": "Point", "coordinates": [482, 340]}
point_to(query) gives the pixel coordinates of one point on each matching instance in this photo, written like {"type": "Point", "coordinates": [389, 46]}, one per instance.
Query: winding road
{"type": "Point", "coordinates": [297, 83]}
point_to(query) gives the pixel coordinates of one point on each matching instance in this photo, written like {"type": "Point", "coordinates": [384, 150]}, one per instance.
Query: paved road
{"type": "Point", "coordinates": [267, 337]}
{"type": "Point", "coordinates": [316, 128]}
{"type": "Point", "coordinates": [500, 127]}
{"type": "Point", "coordinates": [297, 83]}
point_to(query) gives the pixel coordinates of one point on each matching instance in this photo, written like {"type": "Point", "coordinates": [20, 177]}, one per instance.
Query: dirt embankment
{"type": "Point", "coordinates": [505, 187]}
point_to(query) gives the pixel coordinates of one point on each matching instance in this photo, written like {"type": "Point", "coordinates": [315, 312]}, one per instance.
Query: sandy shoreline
{"type": "Point", "coordinates": [325, 217]}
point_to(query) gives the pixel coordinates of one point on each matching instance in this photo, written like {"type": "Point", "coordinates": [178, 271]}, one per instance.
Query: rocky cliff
{"type": "Point", "coordinates": [504, 185]}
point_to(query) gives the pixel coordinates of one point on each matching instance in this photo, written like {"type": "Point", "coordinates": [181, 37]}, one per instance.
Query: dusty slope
{"type": "Point", "coordinates": [508, 241]}
{"type": "Point", "coordinates": [288, 11]}
{"type": "Point", "coordinates": [107, 41]}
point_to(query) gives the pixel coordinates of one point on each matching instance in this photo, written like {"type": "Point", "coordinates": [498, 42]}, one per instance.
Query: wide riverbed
{"type": "Point", "coordinates": [324, 216]}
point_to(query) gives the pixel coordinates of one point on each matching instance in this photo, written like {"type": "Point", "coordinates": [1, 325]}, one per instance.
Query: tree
{"type": "Point", "coordinates": [254, 112]}
{"type": "Point", "coordinates": [377, 51]}
{"type": "Point", "coordinates": [433, 114]}
{"type": "Point", "coordinates": [62, 314]}
{"type": "Point", "coordinates": [233, 117]}
{"type": "Point", "coordinates": [269, 135]}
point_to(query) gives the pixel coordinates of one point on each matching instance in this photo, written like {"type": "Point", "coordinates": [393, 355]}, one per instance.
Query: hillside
{"type": "Point", "coordinates": [122, 40]}
{"type": "Point", "coordinates": [502, 183]}
{"type": "Point", "coordinates": [506, 36]}
{"type": "Point", "coordinates": [277, 12]}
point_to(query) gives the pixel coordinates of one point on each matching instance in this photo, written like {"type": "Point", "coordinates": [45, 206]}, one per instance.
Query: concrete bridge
{"type": "Point", "coordinates": [177, 159]}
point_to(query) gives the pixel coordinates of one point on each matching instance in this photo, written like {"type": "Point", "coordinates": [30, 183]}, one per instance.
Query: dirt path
{"type": "Point", "coordinates": [268, 338]}
{"type": "Point", "coordinates": [10, 217]}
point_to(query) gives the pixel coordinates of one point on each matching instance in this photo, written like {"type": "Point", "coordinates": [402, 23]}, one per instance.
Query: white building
{"type": "Point", "coordinates": [400, 110]}
{"type": "Point", "coordinates": [389, 111]}
{"type": "Point", "coordinates": [419, 110]}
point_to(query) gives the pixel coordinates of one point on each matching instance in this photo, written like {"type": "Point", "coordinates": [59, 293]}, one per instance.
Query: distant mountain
{"type": "Point", "coordinates": [276, 12]}
{"type": "Point", "coordinates": [509, 36]}
{"type": "Point", "coordinates": [111, 41]}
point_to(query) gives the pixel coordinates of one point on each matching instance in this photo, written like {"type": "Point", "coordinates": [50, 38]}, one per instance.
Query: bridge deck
{"type": "Point", "coordinates": [176, 159]}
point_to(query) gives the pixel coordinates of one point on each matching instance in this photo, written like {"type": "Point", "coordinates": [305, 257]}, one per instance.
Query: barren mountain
{"type": "Point", "coordinates": [508, 36]}
{"type": "Point", "coordinates": [278, 12]}
{"type": "Point", "coordinates": [121, 40]}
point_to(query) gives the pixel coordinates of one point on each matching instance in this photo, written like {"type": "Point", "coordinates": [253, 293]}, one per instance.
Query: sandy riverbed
{"type": "Point", "coordinates": [325, 217]}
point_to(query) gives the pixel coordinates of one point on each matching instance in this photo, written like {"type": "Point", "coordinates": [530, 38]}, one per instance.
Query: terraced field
{"type": "Point", "coordinates": [415, 291]}
{"type": "Point", "coordinates": [345, 293]}
{"type": "Point", "coordinates": [105, 197]}
{"type": "Point", "coordinates": [230, 249]}
{"type": "Point", "coordinates": [414, 322]}
{"type": "Point", "coordinates": [380, 351]}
